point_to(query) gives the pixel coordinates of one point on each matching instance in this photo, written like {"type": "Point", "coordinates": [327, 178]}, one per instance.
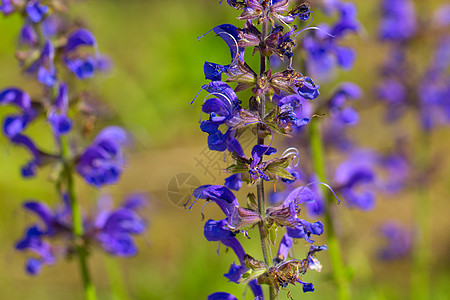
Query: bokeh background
{"type": "Point", "coordinates": [157, 71]}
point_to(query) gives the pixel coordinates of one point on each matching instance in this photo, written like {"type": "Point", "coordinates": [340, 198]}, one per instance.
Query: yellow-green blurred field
{"type": "Point", "coordinates": [157, 72]}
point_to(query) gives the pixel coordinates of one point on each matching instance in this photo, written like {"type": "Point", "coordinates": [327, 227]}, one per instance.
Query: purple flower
{"type": "Point", "coordinates": [102, 162]}
{"type": "Point", "coordinates": [28, 35]}
{"type": "Point", "coordinates": [234, 182]}
{"type": "Point", "coordinates": [291, 113]}
{"type": "Point", "coordinates": [238, 218]}
{"type": "Point", "coordinates": [356, 173]}
{"type": "Point", "coordinates": [44, 67]}
{"type": "Point", "coordinates": [323, 54]}
{"type": "Point", "coordinates": [57, 115]}
{"type": "Point", "coordinates": [347, 19]}
{"type": "Point", "coordinates": [114, 229]}
{"type": "Point", "coordinates": [286, 214]}
{"type": "Point", "coordinates": [35, 240]}
{"type": "Point", "coordinates": [339, 110]}
{"type": "Point", "coordinates": [284, 248]}
{"type": "Point", "coordinates": [35, 10]}
{"type": "Point", "coordinates": [222, 110]}
{"type": "Point", "coordinates": [398, 20]}
{"type": "Point", "coordinates": [219, 231]}
{"type": "Point", "coordinates": [83, 65]}
{"type": "Point", "coordinates": [6, 7]}
{"type": "Point", "coordinates": [229, 33]}
{"type": "Point", "coordinates": [399, 241]}
{"type": "Point", "coordinates": [15, 124]}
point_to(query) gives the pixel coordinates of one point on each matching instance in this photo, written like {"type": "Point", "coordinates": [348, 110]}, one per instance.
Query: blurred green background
{"type": "Point", "coordinates": [157, 72]}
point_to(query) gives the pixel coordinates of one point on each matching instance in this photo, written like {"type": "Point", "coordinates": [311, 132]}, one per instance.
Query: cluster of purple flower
{"type": "Point", "coordinates": [53, 51]}
{"type": "Point", "coordinates": [275, 107]}
{"type": "Point", "coordinates": [406, 87]}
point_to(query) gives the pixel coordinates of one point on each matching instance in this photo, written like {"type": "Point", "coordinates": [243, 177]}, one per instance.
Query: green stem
{"type": "Point", "coordinates": [118, 288]}
{"type": "Point", "coordinates": [77, 222]}
{"type": "Point", "coordinates": [340, 275]}
{"type": "Point", "coordinates": [265, 244]}
{"type": "Point", "coordinates": [420, 275]}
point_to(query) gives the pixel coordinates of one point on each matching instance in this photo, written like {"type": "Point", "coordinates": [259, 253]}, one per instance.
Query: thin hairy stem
{"type": "Point", "coordinates": [340, 276]}
{"type": "Point", "coordinates": [77, 222]}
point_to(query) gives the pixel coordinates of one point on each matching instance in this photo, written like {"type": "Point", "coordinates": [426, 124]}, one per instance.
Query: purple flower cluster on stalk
{"type": "Point", "coordinates": [111, 230]}
{"type": "Point", "coordinates": [277, 106]}
{"type": "Point", "coordinates": [53, 51]}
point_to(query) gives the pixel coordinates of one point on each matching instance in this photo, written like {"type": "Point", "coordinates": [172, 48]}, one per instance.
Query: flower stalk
{"type": "Point", "coordinates": [420, 276]}
{"type": "Point", "coordinates": [265, 244]}
{"type": "Point", "coordinates": [340, 275]}
{"type": "Point", "coordinates": [77, 221]}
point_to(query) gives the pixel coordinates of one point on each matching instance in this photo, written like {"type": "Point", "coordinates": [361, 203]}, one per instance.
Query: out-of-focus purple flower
{"type": "Point", "coordinates": [322, 47]}
{"type": "Point", "coordinates": [339, 110]}
{"type": "Point", "coordinates": [398, 20]}
{"type": "Point", "coordinates": [347, 20]}
{"type": "Point", "coordinates": [28, 35]}
{"type": "Point", "coordinates": [102, 162]}
{"type": "Point", "coordinates": [57, 115]}
{"type": "Point", "coordinates": [323, 54]}
{"type": "Point", "coordinates": [82, 64]}
{"type": "Point", "coordinates": [35, 10]}
{"type": "Point", "coordinates": [356, 173]}
{"type": "Point", "coordinates": [15, 124]}
{"type": "Point", "coordinates": [52, 26]}
{"type": "Point", "coordinates": [399, 241]}
{"type": "Point", "coordinates": [51, 225]}
{"type": "Point", "coordinates": [43, 68]}
{"type": "Point", "coordinates": [39, 158]}
{"type": "Point", "coordinates": [114, 229]}
{"type": "Point", "coordinates": [6, 7]}
{"type": "Point", "coordinates": [434, 90]}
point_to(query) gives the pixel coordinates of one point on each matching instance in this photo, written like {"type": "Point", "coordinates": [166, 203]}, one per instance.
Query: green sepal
{"type": "Point", "coordinates": [252, 274]}
{"type": "Point", "coordinates": [272, 233]}
{"type": "Point", "coordinates": [277, 168]}
{"type": "Point", "coordinates": [252, 203]}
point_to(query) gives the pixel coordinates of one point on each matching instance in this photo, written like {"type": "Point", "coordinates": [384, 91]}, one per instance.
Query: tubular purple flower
{"type": "Point", "coordinates": [114, 230]}
{"type": "Point", "coordinates": [102, 162]}
{"type": "Point", "coordinates": [230, 35]}
{"type": "Point", "coordinates": [284, 248]}
{"type": "Point", "coordinates": [35, 10]}
{"type": "Point", "coordinates": [398, 20]}
{"type": "Point", "coordinates": [83, 66]}
{"type": "Point", "coordinates": [57, 115]}
{"type": "Point", "coordinates": [43, 68]}
{"type": "Point", "coordinates": [28, 35]}
{"type": "Point", "coordinates": [399, 241]}
{"type": "Point", "coordinates": [6, 7]}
